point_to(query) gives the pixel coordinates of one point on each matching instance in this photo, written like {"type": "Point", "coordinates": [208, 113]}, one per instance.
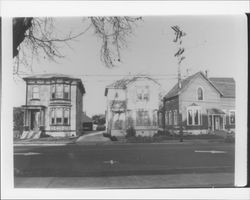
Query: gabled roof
{"type": "Point", "coordinates": [224, 86]}
{"type": "Point", "coordinates": [54, 76]}
{"type": "Point", "coordinates": [122, 83]}
{"type": "Point", "coordinates": [85, 118]}
{"type": "Point", "coordinates": [175, 90]}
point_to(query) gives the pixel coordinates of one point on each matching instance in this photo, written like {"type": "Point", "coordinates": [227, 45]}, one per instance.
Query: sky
{"type": "Point", "coordinates": [212, 43]}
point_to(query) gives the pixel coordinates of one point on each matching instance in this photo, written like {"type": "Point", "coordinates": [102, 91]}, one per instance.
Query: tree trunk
{"type": "Point", "coordinates": [20, 26]}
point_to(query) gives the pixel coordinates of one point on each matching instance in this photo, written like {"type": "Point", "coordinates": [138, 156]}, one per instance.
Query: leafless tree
{"type": "Point", "coordinates": [38, 35]}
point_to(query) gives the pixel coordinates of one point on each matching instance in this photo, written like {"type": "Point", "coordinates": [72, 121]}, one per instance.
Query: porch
{"type": "Point", "coordinates": [216, 119]}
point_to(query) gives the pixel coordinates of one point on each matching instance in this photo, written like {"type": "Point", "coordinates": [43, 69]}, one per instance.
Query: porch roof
{"type": "Point", "coordinates": [215, 111]}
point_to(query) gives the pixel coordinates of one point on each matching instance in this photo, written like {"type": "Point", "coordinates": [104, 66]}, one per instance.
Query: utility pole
{"type": "Point", "coordinates": [179, 54]}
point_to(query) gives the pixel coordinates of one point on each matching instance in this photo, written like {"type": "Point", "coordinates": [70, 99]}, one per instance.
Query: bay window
{"type": "Point", "coordinates": [59, 116]}
{"type": "Point", "coordinates": [60, 91]}
{"type": "Point", "coordinates": [194, 116]}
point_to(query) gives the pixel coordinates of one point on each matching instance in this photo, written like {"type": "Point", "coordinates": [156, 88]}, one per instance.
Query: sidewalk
{"type": "Point", "coordinates": [45, 142]}
{"type": "Point", "coordinates": [147, 181]}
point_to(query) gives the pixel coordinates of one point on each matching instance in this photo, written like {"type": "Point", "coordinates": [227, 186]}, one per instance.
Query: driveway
{"type": "Point", "coordinates": [95, 137]}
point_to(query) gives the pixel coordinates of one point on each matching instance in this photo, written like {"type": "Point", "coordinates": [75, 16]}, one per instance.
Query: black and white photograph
{"type": "Point", "coordinates": [110, 102]}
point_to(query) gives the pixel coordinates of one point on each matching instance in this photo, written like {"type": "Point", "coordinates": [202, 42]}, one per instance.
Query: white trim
{"type": "Point", "coordinates": [193, 109]}
{"type": "Point", "coordinates": [38, 92]}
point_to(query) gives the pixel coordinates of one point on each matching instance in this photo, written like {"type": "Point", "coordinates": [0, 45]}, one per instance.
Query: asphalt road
{"type": "Point", "coordinates": [123, 160]}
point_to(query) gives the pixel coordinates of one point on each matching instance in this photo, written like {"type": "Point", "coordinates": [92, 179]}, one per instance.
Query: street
{"type": "Point", "coordinates": [123, 160]}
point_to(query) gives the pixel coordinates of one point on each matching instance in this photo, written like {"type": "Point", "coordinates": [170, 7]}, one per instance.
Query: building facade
{"type": "Point", "coordinates": [201, 105]}
{"type": "Point", "coordinates": [53, 106]}
{"type": "Point", "coordinates": [132, 103]}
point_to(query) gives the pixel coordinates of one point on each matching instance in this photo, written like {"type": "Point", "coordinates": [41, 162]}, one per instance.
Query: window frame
{"type": "Point", "coordinates": [144, 95]}
{"type": "Point", "coordinates": [54, 118]}
{"type": "Point", "coordinates": [230, 111]}
{"type": "Point", "coordinates": [142, 120]}
{"type": "Point", "coordinates": [175, 117]}
{"type": "Point", "coordinates": [193, 110]}
{"type": "Point", "coordinates": [58, 96]}
{"type": "Point", "coordinates": [170, 120]}
{"type": "Point", "coordinates": [37, 92]}
{"type": "Point", "coordinates": [166, 118]}
{"type": "Point", "coordinates": [197, 93]}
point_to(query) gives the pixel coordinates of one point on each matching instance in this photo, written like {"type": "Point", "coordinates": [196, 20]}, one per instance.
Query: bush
{"type": "Point", "coordinates": [100, 127]}
{"type": "Point", "coordinates": [106, 135]}
{"type": "Point", "coordinates": [113, 138]}
{"type": "Point", "coordinates": [229, 139]}
{"type": "Point", "coordinates": [130, 132]}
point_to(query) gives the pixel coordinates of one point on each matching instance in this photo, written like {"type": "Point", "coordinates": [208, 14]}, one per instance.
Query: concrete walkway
{"type": "Point", "coordinates": [147, 181]}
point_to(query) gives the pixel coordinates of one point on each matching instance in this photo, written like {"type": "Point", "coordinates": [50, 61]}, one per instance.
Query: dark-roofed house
{"type": "Point", "coordinates": [132, 103]}
{"type": "Point", "coordinates": [54, 104]}
{"type": "Point", "coordinates": [203, 105]}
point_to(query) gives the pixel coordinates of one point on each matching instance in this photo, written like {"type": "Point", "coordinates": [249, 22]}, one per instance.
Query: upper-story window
{"type": "Point", "coordinates": [60, 91]}
{"type": "Point", "coordinates": [35, 92]}
{"type": "Point", "coordinates": [142, 93]}
{"type": "Point", "coordinates": [200, 93]}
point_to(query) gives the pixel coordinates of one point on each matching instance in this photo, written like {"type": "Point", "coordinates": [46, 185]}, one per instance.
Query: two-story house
{"type": "Point", "coordinates": [132, 103]}
{"type": "Point", "coordinates": [200, 105]}
{"type": "Point", "coordinates": [53, 106]}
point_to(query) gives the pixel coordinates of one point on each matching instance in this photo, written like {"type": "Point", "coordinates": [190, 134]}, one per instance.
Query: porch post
{"type": "Point", "coordinates": [212, 122]}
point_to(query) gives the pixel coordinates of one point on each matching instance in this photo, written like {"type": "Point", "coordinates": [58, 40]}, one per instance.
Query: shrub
{"type": "Point", "coordinates": [106, 135]}
{"type": "Point", "coordinates": [229, 139]}
{"type": "Point", "coordinates": [113, 138]}
{"type": "Point", "coordinates": [100, 127]}
{"type": "Point", "coordinates": [130, 132]}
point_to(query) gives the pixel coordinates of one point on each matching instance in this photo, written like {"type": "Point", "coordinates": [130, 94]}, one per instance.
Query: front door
{"type": "Point", "coordinates": [217, 122]}
{"type": "Point", "coordinates": [35, 119]}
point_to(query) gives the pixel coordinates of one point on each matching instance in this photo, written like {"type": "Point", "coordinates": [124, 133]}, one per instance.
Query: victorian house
{"type": "Point", "coordinates": [200, 105]}
{"type": "Point", "coordinates": [132, 103]}
{"type": "Point", "coordinates": [54, 104]}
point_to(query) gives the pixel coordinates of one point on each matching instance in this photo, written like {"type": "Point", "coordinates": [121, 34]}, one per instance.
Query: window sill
{"type": "Point", "coordinates": [59, 124]}
{"type": "Point", "coordinates": [35, 99]}
{"type": "Point", "coordinates": [60, 99]}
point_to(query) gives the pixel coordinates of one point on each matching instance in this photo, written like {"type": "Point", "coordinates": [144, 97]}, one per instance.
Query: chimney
{"type": "Point", "coordinates": [206, 73]}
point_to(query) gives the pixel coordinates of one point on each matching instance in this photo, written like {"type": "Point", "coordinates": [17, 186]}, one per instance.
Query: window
{"type": "Point", "coordinates": [52, 116]}
{"type": "Point", "coordinates": [60, 91]}
{"type": "Point", "coordinates": [232, 117]}
{"type": "Point", "coordinates": [166, 118]}
{"type": "Point", "coordinates": [200, 93]}
{"type": "Point", "coordinates": [66, 92]}
{"type": "Point", "coordinates": [66, 116]}
{"type": "Point", "coordinates": [142, 118]}
{"type": "Point", "coordinates": [142, 93]}
{"type": "Point", "coordinates": [53, 92]}
{"type": "Point", "coordinates": [35, 92]}
{"type": "Point", "coordinates": [193, 116]}
{"type": "Point", "coordinates": [60, 116]}
{"type": "Point", "coordinates": [170, 118]}
{"type": "Point", "coordinates": [116, 95]}
{"type": "Point", "coordinates": [175, 117]}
